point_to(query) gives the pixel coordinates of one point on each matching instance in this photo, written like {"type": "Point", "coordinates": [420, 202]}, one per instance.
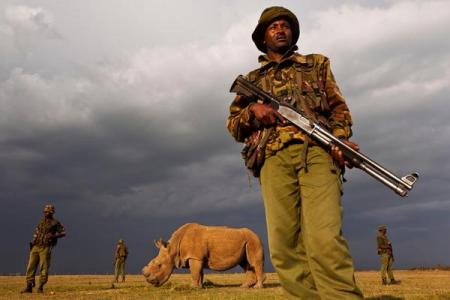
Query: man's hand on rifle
{"type": "Point", "coordinates": [268, 116]}
{"type": "Point", "coordinates": [264, 113]}
{"type": "Point", "coordinates": [338, 155]}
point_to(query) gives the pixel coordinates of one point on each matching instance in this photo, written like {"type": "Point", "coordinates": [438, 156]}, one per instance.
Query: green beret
{"type": "Point", "coordinates": [269, 15]}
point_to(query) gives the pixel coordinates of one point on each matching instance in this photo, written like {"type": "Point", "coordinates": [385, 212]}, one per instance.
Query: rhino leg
{"type": "Point", "coordinates": [250, 276]}
{"type": "Point", "coordinates": [255, 257]}
{"type": "Point", "coordinates": [260, 276]}
{"type": "Point", "coordinates": [196, 268]}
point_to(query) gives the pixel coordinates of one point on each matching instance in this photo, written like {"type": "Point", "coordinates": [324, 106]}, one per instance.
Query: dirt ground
{"type": "Point", "coordinates": [422, 285]}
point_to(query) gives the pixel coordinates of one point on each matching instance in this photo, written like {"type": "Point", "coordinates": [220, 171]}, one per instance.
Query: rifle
{"type": "Point", "coordinates": [401, 186]}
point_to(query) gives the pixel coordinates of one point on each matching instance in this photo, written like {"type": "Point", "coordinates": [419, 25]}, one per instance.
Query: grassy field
{"type": "Point", "coordinates": [422, 285]}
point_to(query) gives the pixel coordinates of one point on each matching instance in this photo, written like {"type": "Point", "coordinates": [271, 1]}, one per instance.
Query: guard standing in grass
{"type": "Point", "coordinates": [384, 249]}
{"type": "Point", "coordinates": [300, 181]}
{"type": "Point", "coordinates": [45, 237]}
{"type": "Point", "coordinates": [119, 260]}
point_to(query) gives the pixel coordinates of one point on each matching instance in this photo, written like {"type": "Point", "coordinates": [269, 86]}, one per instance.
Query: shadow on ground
{"type": "Point", "coordinates": [210, 284]}
{"type": "Point", "coordinates": [384, 297]}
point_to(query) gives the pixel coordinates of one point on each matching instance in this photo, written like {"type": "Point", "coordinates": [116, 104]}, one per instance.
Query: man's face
{"type": "Point", "coordinates": [278, 36]}
{"type": "Point", "coordinates": [48, 213]}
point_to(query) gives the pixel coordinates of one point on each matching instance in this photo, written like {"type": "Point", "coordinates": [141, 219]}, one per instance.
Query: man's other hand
{"type": "Point", "coordinates": [337, 154]}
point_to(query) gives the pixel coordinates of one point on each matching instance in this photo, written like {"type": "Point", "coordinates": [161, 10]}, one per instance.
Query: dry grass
{"type": "Point", "coordinates": [415, 285]}
{"type": "Point", "coordinates": [423, 285]}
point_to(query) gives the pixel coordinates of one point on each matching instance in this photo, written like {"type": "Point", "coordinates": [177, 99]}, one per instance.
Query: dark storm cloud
{"type": "Point", "coordinates": [133, 143]}
{"type": "Point", "coordinates": [125, 130]}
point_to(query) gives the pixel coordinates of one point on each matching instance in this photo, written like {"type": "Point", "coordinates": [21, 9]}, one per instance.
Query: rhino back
{"type": "Point", "coordinates": [192, 244]}
{"type": "Point", "coordinates": [220, 247]}
{"type": "Point", "coordinates": [177, 246]}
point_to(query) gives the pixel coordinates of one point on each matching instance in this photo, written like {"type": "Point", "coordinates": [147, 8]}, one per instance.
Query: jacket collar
{"type": "Point", "coordinates": [290, 55]}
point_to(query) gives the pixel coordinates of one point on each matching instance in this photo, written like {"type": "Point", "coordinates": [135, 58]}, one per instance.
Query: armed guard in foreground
{"type": "Point", "coordinates": [45, 237]}
{"type": "Point", "coordinates": [120, 257]}
{"type": "Point", "coordinates": [300, 181]}
{"type": "Point", "coordinates": [384, 250]}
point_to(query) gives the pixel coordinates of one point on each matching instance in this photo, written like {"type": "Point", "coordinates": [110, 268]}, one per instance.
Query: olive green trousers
{"type": "Point", "coordinates": [304, 221]}
{"type": "Point", "coordinates": [386, 266]}
{"type": "Point", "coordinates": [39, 256]}
{"type": "Point", "coordinates": [119, 269]}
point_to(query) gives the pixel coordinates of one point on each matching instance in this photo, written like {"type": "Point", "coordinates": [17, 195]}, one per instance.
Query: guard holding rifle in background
{"type": "Point", "coordinates": [120, 256]}
{"type": "Point", "coordinates": [45, 237]}
{"type": "Point", "coordinates": [384, 249]}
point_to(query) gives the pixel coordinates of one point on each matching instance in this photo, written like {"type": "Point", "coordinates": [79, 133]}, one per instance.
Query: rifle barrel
{"type": "Point", "coordinates": [326, 139]}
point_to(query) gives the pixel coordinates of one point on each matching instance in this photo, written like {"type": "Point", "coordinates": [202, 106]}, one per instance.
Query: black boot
{"type": "Point", "coordinates": [28, 288]}
{"type": "Point", "coordinates": [383, 281]}
{"type": "Point", "coordinates": [40, 288]}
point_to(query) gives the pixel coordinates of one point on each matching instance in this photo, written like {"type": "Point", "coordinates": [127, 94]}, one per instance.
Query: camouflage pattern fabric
{"type": "Point", "coordinates": [318, 89]}
{"type": "Point", "coordinates": [383, 244]}
{"type": "Point", "coordinates": [45, 232]}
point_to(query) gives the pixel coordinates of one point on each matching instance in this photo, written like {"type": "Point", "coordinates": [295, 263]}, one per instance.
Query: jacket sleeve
{"type": "Point", "coordinates": [35, 234]}
{"type": "Point", "coordinates": [340, 119]}
{"type": "Point", "coordinates": [240, 121]}
{"type": "Point", "coordinates": [60, 230]}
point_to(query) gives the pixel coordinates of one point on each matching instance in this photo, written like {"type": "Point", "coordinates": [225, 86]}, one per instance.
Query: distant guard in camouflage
{"type": "Point", "coordinates": [120, 257]}
{"type": "Point", "coordinates": [300, 181]}
{"type": "Point", "coordinates": [384, 249]}
{"type": "Point", "coordinates": [45, 237]}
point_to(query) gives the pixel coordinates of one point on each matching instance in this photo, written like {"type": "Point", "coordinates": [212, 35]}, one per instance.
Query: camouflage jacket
{"type": "Point", "coordinates": [383, 244]}
{"type": "Point", "coordinates": [47, 232]}
{"type": "Point", "coordinates": [298, 80]}
{"type": "Point", "coordinates": [121, 252]}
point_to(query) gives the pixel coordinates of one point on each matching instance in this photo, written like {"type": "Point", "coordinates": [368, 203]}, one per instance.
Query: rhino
{"type": "Point", "coordinates": [218, 248]}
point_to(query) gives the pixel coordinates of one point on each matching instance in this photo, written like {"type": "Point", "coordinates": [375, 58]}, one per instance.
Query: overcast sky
{"type": "Point", "coordinates": [115, 112]}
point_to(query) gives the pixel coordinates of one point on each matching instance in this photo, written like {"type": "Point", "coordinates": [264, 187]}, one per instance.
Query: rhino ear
{"type": "Point", "coordinates": [160, 243]}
